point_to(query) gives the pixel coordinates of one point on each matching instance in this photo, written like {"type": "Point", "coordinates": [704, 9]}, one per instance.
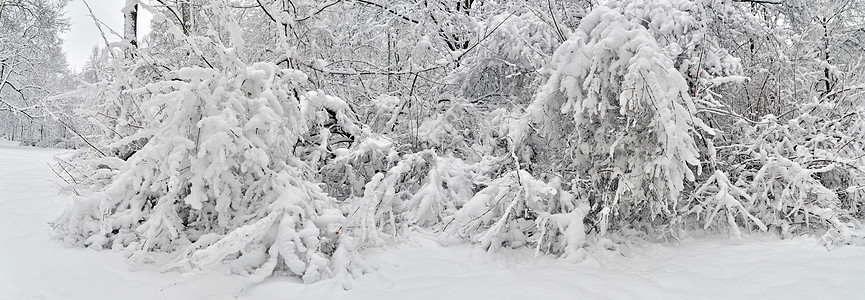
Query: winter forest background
{"type": "Point", "coordinates": [286, 136]}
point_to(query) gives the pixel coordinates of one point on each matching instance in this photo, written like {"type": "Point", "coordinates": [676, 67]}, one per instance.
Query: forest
{"type": "Point", "coordinates": [285, 137]}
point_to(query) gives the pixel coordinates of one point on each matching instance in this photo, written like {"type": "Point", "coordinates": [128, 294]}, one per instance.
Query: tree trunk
{"type": "Point", "coordinates": [130, 26]}
{"type": "Point", "coordinates": [186, 14]}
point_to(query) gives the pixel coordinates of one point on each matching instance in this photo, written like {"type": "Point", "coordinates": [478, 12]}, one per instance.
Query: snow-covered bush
{"type": "Point", "coordinates": [625, 120]}
{"type": "Point", "coordinates": [421, 189]}
{"type": "Point", "coordinates": [520, 210]}
{"type": "Point", "coordinates": [111, 123]}
{"type": "Point", "coordinates": [227, 169]}
{"type": "Point", "coordinates": [718, 193]}
{"type": "Point", "coordinates": [803, 175]}
{"type": "Point", "coordinates": [220, 176]}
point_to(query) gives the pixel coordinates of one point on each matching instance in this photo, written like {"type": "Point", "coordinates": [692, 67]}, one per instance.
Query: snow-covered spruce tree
{"type": "Point", "coordinates": [626, 120]}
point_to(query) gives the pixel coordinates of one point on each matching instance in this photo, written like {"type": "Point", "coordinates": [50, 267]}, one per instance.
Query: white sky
{"type": "Point", "coordinates": [83, 35]}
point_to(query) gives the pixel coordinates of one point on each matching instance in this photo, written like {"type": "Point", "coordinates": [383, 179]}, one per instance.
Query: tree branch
{"type": "Point", "coordinates": [182, 24]}
{"type": "Point", "coordinates": [388, 10]}
{"type": "Point", "coordinates": [265, 11]}
{"type": "Point", "coordinates": [761, 1]}
{"type": "Point", "coordinates": [319, 10]}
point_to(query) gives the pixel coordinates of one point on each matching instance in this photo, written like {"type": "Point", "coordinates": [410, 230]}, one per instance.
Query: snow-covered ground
{"type": "Point", "coordinates": [33, 266]}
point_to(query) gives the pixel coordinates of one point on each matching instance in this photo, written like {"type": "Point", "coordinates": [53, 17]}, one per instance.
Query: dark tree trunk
{"type": "Point", "coordinates": [130, 26]}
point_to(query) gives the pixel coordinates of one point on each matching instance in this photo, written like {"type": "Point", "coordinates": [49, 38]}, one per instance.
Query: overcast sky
{"type": "Point", "coordinates": [83, 35]}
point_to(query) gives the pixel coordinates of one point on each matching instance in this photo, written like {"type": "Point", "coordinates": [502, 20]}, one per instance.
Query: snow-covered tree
{"type": "Point", "coordinates": [32, 68]}
{"type": "Point", "coordinates": [223, 171]}
{"type": "Point", "coordinates": [626, 121]}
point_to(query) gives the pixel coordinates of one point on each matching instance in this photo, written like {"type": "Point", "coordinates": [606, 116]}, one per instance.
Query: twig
{"type": "Point", "coordinates": [317, 11]}
{"type": "Point", "coordinates": [388, 10]}
{"type": "Point", "coordinates": [699, 68]}
{"type": "Point", "coordinates": [182, 24]}
{"type": "Point", "coordinates": [481, 215]}
{"type": "Point", "coordinates": [485, 37]}
{"type": "Point", "coordinates": [64, 179]}
{"type": "Point", "coordinates": [266, 12]}
{"type": "Point", "coordinates": [81, 136]}
{"type": "Point", "coordinates": [555, 23]}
